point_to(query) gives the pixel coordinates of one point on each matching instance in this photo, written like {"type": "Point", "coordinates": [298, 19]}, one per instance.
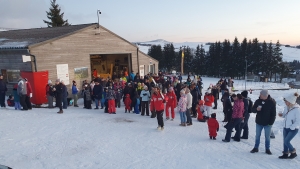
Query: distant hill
{"type": "Point", "coordinates": [289, 53]}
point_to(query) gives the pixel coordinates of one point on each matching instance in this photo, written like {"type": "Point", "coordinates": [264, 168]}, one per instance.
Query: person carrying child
{"type": "Point", "coordinates": [213, 126]}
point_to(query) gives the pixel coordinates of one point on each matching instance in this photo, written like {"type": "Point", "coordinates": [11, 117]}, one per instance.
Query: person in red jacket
{"type": "Point", "coordinates": [127, 103]}
{"type": "Point", "coordinates": [200, 109]}
{"type": "Point", "coordinates": [208, 101]}
{"type": "Point", "coordinates": [213, 126]}
{"type": "Point", "coordinates": [157, 106]}
{"type": "Point", "coordinates": [171, 103]}
{"type": "Point", "coordinates": [29, 94]}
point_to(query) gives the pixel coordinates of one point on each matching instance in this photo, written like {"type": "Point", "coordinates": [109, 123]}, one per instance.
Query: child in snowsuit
{"type": "Point", "coordinates": [10, 101]}
{"type": "Point", "coordinates": [137, 103]}
{"type": "Point", "coordinates": [88, 98]}
{"type": "Point", "coordinates": [110, 97]}
{"type": "Point", "coordinates": [127, 103]}
{"type": "Point", "coordinates": [171, 103]}
{"type": "Point", "coordinates": [200, 109]}
{"type": "Point", "coordinates": [213, 126]}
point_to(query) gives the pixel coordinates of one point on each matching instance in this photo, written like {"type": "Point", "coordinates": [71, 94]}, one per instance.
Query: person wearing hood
{"type": "Point", "coordinates": [3, 90]}
{"type": "Point", "coordinates": [291, 123]}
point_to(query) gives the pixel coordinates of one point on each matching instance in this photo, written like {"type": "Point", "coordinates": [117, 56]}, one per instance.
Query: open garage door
{"type": "Point", "coordinates": [107, 65]}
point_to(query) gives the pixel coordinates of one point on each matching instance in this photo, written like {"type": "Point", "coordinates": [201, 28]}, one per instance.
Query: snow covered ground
{"type": "Point", "coordinates": [92, 139]}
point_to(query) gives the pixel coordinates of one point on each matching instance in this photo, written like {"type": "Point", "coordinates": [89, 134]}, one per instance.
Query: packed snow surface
{"type": "Point", "coordinates": [92, 139]}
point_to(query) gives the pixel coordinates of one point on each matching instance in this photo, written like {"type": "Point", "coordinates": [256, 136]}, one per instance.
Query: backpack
{"type": "Point", "coordinates": [250, 105]}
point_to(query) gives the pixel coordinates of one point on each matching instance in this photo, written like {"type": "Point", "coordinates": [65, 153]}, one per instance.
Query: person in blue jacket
{"type": "Point", "coordinates": [137, 103]}
{"type": "Point", "coordinates": [75, 93]}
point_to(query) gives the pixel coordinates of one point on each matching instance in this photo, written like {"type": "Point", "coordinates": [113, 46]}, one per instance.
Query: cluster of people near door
{"type": "Point", "coordinates": [156, 94]}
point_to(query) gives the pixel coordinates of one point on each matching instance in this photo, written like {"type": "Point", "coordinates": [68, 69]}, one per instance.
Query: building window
{"type": "Point", "coordinates": [13, 76]}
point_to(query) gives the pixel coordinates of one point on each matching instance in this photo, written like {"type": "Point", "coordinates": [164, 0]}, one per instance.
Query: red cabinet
{"type": "Point", "coordinates": [38, 82]}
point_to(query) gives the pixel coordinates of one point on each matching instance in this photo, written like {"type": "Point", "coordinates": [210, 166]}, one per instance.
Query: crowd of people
{"type": "Point", "coordinates": [157, 94]}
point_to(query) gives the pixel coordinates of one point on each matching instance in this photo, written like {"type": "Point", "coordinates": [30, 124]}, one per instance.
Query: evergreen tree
{"type": "Point", "coordinates": [197, 62]}
{"type": "Point", "coordinates": [188, 60]}
{"type": "Point", "coordinates": [255, 56]}
{"type": "Point", "coordinates": [202, 66]}
{"type": "Point", "coordinates": [225, 59]}
{"type": "Point", "coordinates": [264, 64]}
{"type": "Point", "coordinates": [155, 51]}
{"type": "Point", "coordinates": [169, 56]}
{"type": "Point", "coordinates": [244, 54]}
{"type": "Point", "coordinates": [55, 16]}
{"type": "Point", "coordinates": [236, 64]}
{"type": "Point", "coordinates": [210, 60]}
{"type": "Point", "coordinates": [277, 58]}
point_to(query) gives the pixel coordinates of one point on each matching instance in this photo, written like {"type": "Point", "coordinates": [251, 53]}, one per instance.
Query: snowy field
{"type": "Point", "coordinates": [92, 139]}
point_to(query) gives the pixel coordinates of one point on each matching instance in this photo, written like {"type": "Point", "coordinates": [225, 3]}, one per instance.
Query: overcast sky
{"type": "Point", "coordinates": [172, 20]}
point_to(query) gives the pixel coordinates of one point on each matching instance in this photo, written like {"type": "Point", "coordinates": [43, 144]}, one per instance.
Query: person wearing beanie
{"type": "Point", "coordinates": [145, 95]}
{"type": "Point", "coordinates": [213, 126]}
{"type": "Point", "coordinates": [171, 103]}
{"type": "Point", "coordinates": [265, 109]}
{"type": "Point", "coordinates": [291, 115]}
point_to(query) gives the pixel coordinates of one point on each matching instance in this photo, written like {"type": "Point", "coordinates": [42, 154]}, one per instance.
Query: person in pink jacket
{"type": "Point", "coordinates": [237, 117]}
{"type": "Point", "coordinates": [182, 104]}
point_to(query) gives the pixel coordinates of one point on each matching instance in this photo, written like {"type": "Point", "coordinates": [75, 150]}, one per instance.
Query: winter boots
{"type": "Point", "coordinates": [286, 155]}
{"type": "Point", "coordinates": [153, 114]}
{"type": "Point", "coordinates": [254, 150]}
{"type": "Point", "coordinates": [60, 112]}
{"type": "Point", "coordinates": [182, 124]}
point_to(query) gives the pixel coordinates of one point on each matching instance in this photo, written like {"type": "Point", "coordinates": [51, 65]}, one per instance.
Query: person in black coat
{"type": "Point", "coordinates": [194, 93]}
{"type": "Point", "coordinates": [58, 89]}
{"type": "Point", "coordinates": [265, 109]}
{"type": "Point", "coordinates": [97, 92]}
{"type": "Point", "coordinates": [215, 93]}
{"type": "Point", "coordinates": [3, 90]}
{"type": "Point", "coordinates": [227, 110]}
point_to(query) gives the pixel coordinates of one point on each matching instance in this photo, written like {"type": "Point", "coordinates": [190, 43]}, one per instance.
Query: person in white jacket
{"type": "Point", "coordinates": [188, 107]}
{"type": "Point", "coordinates": [291, 123]}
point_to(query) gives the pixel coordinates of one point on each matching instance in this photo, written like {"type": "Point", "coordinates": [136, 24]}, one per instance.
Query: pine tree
{"type": "Point", "coordinates": [236, 64]}
{"type": "Point", "coordinates": [277, 58]}
{"type": "Point", "coordinates": [264, 64]}
{"type": "Point", "coordinates": [55, 16]}
{"type": "Point", "coordinates": [202, 66]}
{"type": "Point", "coordinates": [255, 56]}
{"type": "Point", "coordinates": [197, 61]}
{"type": "Point", "coordinates": [155, 51]}
{"type": "Point", "coordinates": [188, 60]}
{"type": "Point", "coordinates": [169, 56]}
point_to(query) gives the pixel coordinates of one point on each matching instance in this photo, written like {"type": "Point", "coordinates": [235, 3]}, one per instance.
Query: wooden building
{"type": "Point", "coordinates": [70, 53]}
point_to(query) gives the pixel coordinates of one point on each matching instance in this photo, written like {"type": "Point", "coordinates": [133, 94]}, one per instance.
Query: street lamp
{"type": "Point", "coordinates": [246, 74]}
{"type": "Point", "coordinates": [98, 12]}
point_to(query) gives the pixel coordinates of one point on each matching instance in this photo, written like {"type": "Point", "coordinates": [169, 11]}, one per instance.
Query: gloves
{"type": "Point", "coordinates": [217, 129]}
{"type": "Point", "coordinates": [30, 95]}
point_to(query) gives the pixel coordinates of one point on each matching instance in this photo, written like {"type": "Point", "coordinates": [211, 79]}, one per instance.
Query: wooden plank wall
{"type": "Point", "coordinates": [75, 50]}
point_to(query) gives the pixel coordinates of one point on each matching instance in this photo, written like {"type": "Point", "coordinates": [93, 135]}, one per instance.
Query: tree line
{"type": "Point", "coordinates": [224, 59]}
